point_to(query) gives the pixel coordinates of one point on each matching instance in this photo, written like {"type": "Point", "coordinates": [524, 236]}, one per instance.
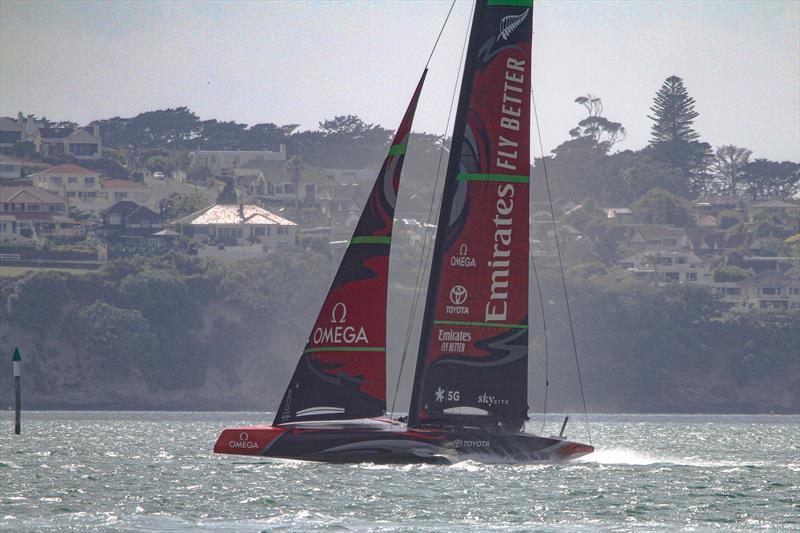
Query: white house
{"type": "Point", "coordinates": [237, 229]}
{"type": "Point", "coordinates": [30, 213]}
{"type": "Point", "coordinates": [220, 160]}
{"type": "Point", "coordinates": [665, 265]}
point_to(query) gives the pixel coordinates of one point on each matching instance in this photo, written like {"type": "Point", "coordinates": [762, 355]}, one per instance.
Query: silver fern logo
{"type": "Point", "coordinates": [510, 23]}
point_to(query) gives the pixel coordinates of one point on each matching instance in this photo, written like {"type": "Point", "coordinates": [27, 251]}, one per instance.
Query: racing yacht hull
{"type": "Point", "coordinates": [389, 441]}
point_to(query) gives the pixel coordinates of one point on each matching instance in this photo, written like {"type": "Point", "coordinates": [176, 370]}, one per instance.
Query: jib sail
{"type": "Point", "coordinates": [473, 354]}
{"type": "Point", "coordinates": [342, 371]}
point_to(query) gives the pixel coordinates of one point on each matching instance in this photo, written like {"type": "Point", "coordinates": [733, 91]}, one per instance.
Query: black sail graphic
{"type": "Point", "coordinates": [473, 353]}
{"type": "Point", "coordinates": [342, 371]}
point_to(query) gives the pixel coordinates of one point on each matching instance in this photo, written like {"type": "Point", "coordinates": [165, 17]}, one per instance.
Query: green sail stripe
{"type": "Point", "coordinates": [488, 324]}
{"type": "Point", "coordinates": [345, 349]}
{"type": "Point", "coordinates": [493, 177]}
{"type": "Point", "coordinates": [372, 239]}
{"type": "Point", "coordinates": [397, 149]}
{"type": "Point", "coordinates": [524, 3]}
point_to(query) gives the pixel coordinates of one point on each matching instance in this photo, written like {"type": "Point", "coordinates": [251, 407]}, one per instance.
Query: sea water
{"type": "Point", "coordinates": [146, 471]}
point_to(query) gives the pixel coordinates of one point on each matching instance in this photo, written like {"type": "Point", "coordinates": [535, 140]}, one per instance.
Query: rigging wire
{"type": "Point", "coordinates": [441, 30]}
{"type": "Point", "coordinates": [424, 258]}
{"type": "Point", "coordinates": [561, 268]}
{"type": "Point", "coordinates": [546, 351]}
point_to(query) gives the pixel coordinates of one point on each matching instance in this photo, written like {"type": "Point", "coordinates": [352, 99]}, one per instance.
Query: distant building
{"type": "Point", "coordinates": [31, 213]}
{"type": "Point", "coordinates": [782, 208]}
{"type": "Point", "coordinates": [80, 143]}
{"type": "Point", "coordinates": [10, 169]}
{"type": "Point", "coordinates": [218, 161]}
{"type": "Point", "coordinates": [14, 130]}
{"type": "Point", "coordinates": [670, 266]}
{"type": "Point", "coordinates": [130, 229]}
{"type": "Point", "coordinates": [84, 189]}
{"type": "Point", "coordinates": [236, 228]}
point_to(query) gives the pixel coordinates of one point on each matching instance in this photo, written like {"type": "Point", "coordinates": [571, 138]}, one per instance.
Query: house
{"type": "Point", "coordinates": [79, 186]}
{"type": "Point", "coordinates": [664, 265]}
{"type": "Point", "coordinates": [80, 143]}
{"type": "Point", "coordinates": [14, 130]}
{"type": "Point", "coordinates": [237, 229]}
{"type": "Point", "coordinates": [270, 183]}
{"type": "Point", "coordinates": [10, 169]}
{"type": "Point", "coordinates": [31, 213]}
{"type": "Point", "coordinates": [130, 229]}
{"type": "Point", "coordinates": [652, 237]}
{"type": "Point", "coordinates": [619, 214]}
{"type": "Point", "coordinates": [772, 290]}
{"type": "Point", "coordinates": [708, 243]}
{"type": "Point", "coordinates": [84, 189]}
{"type": "Point", "coordinates": [114, 191]}
{"type": "Point", "coordinates": [218, 161]}
{"type": "Point", "coordinates": [785, 209]}
{"type": "Point", "coordinates": [129, 217]}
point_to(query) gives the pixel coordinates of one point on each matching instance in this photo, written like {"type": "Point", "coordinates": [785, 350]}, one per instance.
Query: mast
{"type": "Point", "coordinates": [342, 370]}
{"type": "Point", "coordinates": [472, 360]}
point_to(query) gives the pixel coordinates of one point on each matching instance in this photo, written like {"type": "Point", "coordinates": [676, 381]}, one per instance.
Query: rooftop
{"type": "Point", "coordinates": [67, 168]}
{"type": "Point", "coordinates": [28, 194]}
{"type": "Point", "coordinates": [234, 215]}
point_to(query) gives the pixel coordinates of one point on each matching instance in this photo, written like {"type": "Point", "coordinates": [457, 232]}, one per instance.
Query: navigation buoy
{"type": "Point", "coordinates": [17, 361]}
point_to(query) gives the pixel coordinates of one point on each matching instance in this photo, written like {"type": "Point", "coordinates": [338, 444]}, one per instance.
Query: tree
{"type": "Point", "coordinates": [728, 168]}
{"type": "Point", "coordinates": [661, 207]}
{"type": "Point", "coordinates": [603, 131]}
{"type": "Point", "coordinates": [673, 139]}
{"type": "Point", "coordinates": [228, 193]}
{"type": "Point", "coordinates": [294, 167]}
{"type": "Point", "coordinates": [765, 178]}
{"type": "Point", "coordinates": [673, 113]}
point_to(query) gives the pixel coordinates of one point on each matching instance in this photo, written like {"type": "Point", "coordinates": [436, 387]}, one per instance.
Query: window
{"type": "Point", "coordinates": [84, 149]}
{"type": "Point", "coordinates": [794, 290]}
{"type": "Point", "coordinates": [72, 179]}
{"type": "Point", "coordinates": [732, 291]}
{"type": "Point", "coordinates": [680, 260]}
{"type": "Point", "coordinates": [10, 137]}
{"type": "Point", "coordinates": [70, 194]}
{"type": "Point", "coordinates": [259, 231]}
{"type": "Point", "coordinates": [691, 276]}
{"type": "Point", "coordinates": [201, 230]}
{"type": "Point", "coordinates": [89, 182]}
{"type": "Point", "coordinates": [664, 261]}
{"type": "Point", "coordinates": [671, 276]}
{"type": "Point", "coordinates": [56, 180]}
{"type": "Point", "coordinates": [288, 188]}
{"type": "Point", "coordinates": [120, 195]}
{"type": "Point", "coordinates": [33, 207]}
{"type": "Point", "coordinates": [770, 291]}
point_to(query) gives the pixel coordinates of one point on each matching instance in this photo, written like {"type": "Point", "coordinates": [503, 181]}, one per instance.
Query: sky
{"type": "Point", "coordinates": [305, 62]}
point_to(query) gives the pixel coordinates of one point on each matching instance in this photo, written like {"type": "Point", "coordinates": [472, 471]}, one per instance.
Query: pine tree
{"type": "Point", "coordinates": [673, 139]}
{"type": "Point", "coordinates": [673, 113]}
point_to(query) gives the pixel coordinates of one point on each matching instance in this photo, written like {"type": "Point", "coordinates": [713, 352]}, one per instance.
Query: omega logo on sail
{"type": "Point", "coordinates": [340, 333]}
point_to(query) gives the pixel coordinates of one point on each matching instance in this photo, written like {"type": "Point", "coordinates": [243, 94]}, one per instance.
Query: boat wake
{"type": "Point", "coordinates": [627, 456]}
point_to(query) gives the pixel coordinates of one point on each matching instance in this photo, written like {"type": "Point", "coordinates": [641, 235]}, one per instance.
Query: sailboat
{"type": "Point", "coordinates": [469, 396]}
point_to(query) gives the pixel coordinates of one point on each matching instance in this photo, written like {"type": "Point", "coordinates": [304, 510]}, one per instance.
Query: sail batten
{"type": "Point", "coordinates": [342, 369]}
{"type": "Point", "coordinates": [472, 360]}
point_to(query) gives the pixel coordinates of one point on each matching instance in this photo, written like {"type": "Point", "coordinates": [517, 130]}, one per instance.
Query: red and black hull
{"type": "Point", "coordinates": [379, 441]}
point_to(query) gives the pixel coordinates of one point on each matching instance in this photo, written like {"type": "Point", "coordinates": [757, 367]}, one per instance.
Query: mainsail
{"type": "Point", "coordinates": [342, 371]}
{"type": "Point", "coordinates": [473, 354]}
